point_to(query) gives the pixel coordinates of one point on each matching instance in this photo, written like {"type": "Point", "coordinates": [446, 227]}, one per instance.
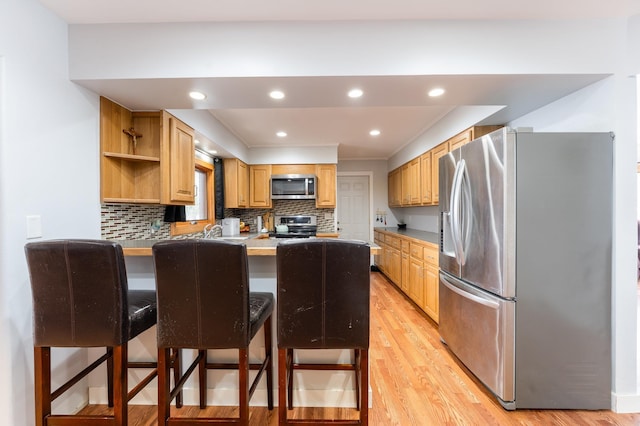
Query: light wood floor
{"type": "Point", "coordinates": [415, 381]}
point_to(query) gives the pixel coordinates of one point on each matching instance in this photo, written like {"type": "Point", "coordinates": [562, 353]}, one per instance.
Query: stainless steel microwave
{"type": "Point", "coordinates": [293, 187]}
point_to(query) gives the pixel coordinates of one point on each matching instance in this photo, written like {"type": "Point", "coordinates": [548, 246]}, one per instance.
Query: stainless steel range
{"type": "Point", "coordinates": [295, 226]}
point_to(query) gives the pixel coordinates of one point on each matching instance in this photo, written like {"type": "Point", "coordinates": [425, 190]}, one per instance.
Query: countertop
{"type": "Point", "coordinates": [429, 237]}
{"type": "Point", "coordinates": [255, 246]}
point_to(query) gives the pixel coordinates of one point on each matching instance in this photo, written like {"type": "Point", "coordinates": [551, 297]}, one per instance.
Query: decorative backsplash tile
{"type": "Point", "coordinates": [133, 221]}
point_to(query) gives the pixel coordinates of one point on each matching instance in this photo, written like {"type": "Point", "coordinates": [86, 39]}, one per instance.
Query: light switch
{"type": "Point", "coordinates": [34, 227]}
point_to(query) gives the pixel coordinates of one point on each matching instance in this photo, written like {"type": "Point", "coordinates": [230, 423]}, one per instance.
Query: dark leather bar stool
{"type": "Point", "coordinates": [204, 303]}
{"type": "Point", "coordinates": [81, 299]}
{"type": "Point", "coordinates": [323, 303]}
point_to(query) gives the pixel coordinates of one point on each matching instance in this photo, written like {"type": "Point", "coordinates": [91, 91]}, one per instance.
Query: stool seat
{"type": "Point", "coordinates": [143, 311]}
{"type": "Point", "coordinates": [204, 303]}
{"type": "Point", "coordinates": [260, 308]}
{"type": "Point", "coordinates": [323, 303]}
{"type": "Point", "coordinates": [81, 299]}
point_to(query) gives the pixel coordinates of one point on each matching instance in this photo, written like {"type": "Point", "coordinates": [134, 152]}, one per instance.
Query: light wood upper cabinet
{"type": "Point", "coordinates": [236, 183]}
{"type": "Point", "coordinates": [394, 187]}
{"type": "Point", "coordinates": [178, 162]}
{"type": "Point", "coordinates": [141, 161]}
{"type": "Point", "coordinates": [425, 178]}
{"type": "Point", "coordinates": [436, 153]}
{"type": "Point", "coordinates": [260, 186]}
{"type": "Point", "coordinates": [460, 139]}
{"type": "Point", "coordinates": [326, 185]}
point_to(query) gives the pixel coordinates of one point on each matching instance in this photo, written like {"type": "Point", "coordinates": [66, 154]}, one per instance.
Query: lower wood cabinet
{"type": "Point", "coordinates": [412, 265]}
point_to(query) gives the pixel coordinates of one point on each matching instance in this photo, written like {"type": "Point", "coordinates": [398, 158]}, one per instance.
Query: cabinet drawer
{"type": "Point", "coordinates": [393, 242]}
{"type": "Point", "coordinates": [431, 254]}
{"type": "Point", "coordinates": [380, 238]}
{"type": "Point", "coordinates": [417, 250]}
{"type": "Point", "coordinates": [405, 246]}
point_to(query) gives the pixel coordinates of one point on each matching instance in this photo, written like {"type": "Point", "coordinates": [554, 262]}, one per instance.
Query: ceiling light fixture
{"type": "Point", "coordinates": [355, 93]}
{"type": "Point", "coordinates": [281, 134]}
{"type": "Point", "coordinates": [438, 91]}
{"type": "Point", "coordinates": [212, 151]}
{"type": "Point", "coordinates": [277, 94]}
{"type": "Point", "coordinates": [375, 132]}
{"type": "Point", "coordinates": [198, 96]}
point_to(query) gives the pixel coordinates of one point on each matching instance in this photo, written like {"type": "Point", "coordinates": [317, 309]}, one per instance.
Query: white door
{"type": "Point", "coordinates": [353, 208]}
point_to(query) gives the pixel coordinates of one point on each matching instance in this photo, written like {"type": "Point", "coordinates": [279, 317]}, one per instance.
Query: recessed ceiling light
{"type": "Point", "coordinates": [277, 94]}
{"type": "Point", "coordinates": [374, 132]}
{"type": "Point", "coordinates": [197, 95]}
{"type": "Point", "coordinates": [281, 134]}
{"type": "Point", "coordinates": [196, 141]}
{"type": "Point", "coordinates": [355, 93]}
{"type": "Point", "coordinates": [438, 91]}
{"type": "Point", "coordinates": [212, 151]}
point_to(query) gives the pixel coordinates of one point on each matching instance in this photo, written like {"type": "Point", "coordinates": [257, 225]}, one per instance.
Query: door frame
{"type": "Point", "coordinates": [369, 175]}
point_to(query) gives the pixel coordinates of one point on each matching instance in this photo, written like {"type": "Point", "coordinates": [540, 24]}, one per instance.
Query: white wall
{"type": "Point", "coordinates": [48, 167]}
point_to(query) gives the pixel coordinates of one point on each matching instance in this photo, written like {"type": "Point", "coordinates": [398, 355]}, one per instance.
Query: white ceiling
{"type": "Point", "coordinates": [316, 110]}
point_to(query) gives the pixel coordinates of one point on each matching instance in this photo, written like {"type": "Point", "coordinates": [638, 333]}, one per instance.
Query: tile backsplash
{"type": "Point", "coordinates": [133, 221]}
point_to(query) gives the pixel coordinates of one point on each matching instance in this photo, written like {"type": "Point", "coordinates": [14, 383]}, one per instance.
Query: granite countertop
{"type": "Point", "coordinates": [255, 246]}
{"type": "Point", "coordinates": [429, 237]}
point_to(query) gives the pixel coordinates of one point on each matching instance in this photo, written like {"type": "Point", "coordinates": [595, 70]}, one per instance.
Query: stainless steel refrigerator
{"type": "Point", "coordinates": [525, 266]}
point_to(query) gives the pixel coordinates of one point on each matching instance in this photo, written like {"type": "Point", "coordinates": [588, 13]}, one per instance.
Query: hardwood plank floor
{"type": "Point", "coordinates": [414, 379]}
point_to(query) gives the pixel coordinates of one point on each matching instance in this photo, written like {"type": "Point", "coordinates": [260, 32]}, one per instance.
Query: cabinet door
{"type": "Point", "coordinates": [394, 183]}
{"type": "Point", "coordinates": [395, 266]}
{"type": "Point", "coordinates": [236, 183]}
{"type": "Point", "coordinates": [260, 186]}
{"type": "Point", "coordinates": [431, 306]}
{"type": "Point", "coordinates": [181, 163]}
{"type": "Point", "coordinates": [425, 178]}
{"type": "Point", "coordinates": [414, 182]}
{"type": "Point", "coordinates": [436, 153]}
{"type": "Point", "coordinates": [243, 184]}
{"type": "Point", "coordinates": [405, 278]}
{"type": "Point", "coordinates": [416, 281]}
{"type": "Point", "coordinates": [460, 139]}
{"type": "Point", "coordinates": [326, 186]}
{"type": "Point", "coordinates": [405, 199]}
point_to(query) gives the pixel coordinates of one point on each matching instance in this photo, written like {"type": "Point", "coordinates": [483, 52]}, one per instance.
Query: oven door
{"type": "Point", "coordinates": [479, 329]}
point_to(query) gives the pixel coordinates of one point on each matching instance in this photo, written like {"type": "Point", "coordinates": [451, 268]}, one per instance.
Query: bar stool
{"type": "Point", "coordinates": [323, 303]}
{"type": "Point", "coordinates": [81, 299]}
{"type": "Point", "coordinates": [204, 303]}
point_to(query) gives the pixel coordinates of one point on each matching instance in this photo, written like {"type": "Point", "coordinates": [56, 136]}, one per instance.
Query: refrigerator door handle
{"type": "Point", "coordinates": [485, 302]}
{"type": "Point", "coordinates": [454, 209]}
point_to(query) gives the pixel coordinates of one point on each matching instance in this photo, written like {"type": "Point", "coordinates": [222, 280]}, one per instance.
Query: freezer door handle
{"type": "Point", "coordinates": [488, 303]}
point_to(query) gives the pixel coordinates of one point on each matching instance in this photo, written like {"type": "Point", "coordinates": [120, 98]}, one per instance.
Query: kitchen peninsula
{"type": "Point", "coordinates": [315, 390]}
{"type": "Point", "coordinates": [255, 246]}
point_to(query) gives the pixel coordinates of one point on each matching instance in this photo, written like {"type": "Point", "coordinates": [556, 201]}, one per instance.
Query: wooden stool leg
{"type": "Point", "coordinates": [164, 386]}
{"type": "Point", "coordinates": [356, 366]}
{"type": "Point", "coordinates": [177, 373]}
{"type": "Point", "coordinates": [120, 385]}
{"type": "Point", "coordinates": [364, 388]}
{"type": "Point", "coordinates": [42, 373]}
{"type": "Point", "coordinates": [282, 386]}
{"type": "Point", "coordinates": [290, 378]}
{"type": "Point", "coordinates": [110, 377]}
{"type": "Point", "coordinates": [202, 378]}
{"type": "Point", "coordinates": [269, 357]}
{"type": "Point", "coordinates": [243, 385]}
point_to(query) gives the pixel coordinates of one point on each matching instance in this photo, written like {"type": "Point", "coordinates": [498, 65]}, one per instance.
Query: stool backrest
{"type": "Point", "coordinates": [79, 291]}
{"type": "Point", "coordinates": [323, 294]}
{"type": "Point", "coordinates": [203, 294]}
